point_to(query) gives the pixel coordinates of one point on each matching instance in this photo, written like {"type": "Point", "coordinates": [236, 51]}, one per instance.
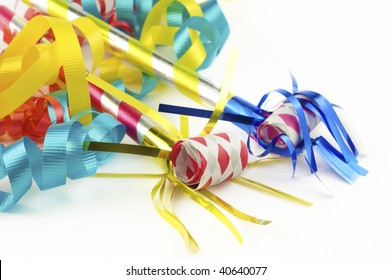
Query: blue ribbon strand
{"type": "Point", "coordinates": [62, 155]}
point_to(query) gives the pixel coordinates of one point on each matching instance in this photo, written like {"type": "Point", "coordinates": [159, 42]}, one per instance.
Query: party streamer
{"type": "Point", "coordinates": [296, 117]}
{"type": "Point", "coordinates": [211, 159]}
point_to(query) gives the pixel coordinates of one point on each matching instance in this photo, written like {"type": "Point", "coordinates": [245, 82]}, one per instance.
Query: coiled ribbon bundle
{"type": "Point", "coordinates": [309, 107]}
{"type": "Point", "coordinates": [63, 155]}
{"type": "Point", "coordinates": [25, 67]}
{"type": "Point", "coordinates": [33, 118]}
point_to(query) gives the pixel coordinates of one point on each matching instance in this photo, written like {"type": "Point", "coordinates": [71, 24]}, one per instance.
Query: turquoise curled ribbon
{"type": "Point", "coordinates": [62, 155]}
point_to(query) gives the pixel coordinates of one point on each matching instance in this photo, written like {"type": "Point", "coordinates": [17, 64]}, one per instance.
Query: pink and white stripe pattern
{"type": "Point", "coordinates": [200, 162]}
{"type": "Point", "coordinates": [284, 120]}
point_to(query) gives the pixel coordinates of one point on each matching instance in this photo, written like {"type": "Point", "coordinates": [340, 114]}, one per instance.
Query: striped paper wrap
{"type": "Point", "coordinates": [209, 160]}
{"type": "Point", "coordinates": [284, 120]}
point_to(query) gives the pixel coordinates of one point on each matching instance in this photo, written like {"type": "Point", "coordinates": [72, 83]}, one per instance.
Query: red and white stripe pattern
{"type": "Point", "coordinates": [6, 16]}
{"type": "Point", "coordinates": [10, 24]}
{"type": "Point", "coordinates": [284, 120]}
{"type": "Point", "coordinates": [200, 162]}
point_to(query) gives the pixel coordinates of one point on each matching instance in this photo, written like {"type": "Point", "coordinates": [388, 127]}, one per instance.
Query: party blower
{"type": "Point", "coordinates": [285, 131]}
{"type": "Point", "coordinates": [191, 164]}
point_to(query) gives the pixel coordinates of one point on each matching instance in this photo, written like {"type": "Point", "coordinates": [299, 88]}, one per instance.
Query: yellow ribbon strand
{"type": "Point", "coordinates": [29, 82]}
{"type": "Point", "coordinates": [159, 35]}
{"type": "Point", "coordinates": [184, 126]}
{"type": "Point", "coordinates": [195, 55]}
{"type": "Point", "coordinates": [74, 72]}
{"type": "Point", "coordinates": [223, 95]}
{"type": "Point", "coordinates": [9, 68]}
{"type": "Point", "coordinates": [94, 38]}
{"type": "Point", "coordinates": [204, 202]}
{"type": "Point", "coordinates": [158, 193]}
{"type": "Point", "coordinates": [169, 216]}
{"type": "Point", "coordinates": [266, 160]}
{"type": "Point", "coordinates": [259, 186]}
{"type": "Point", "coordinates": [231, 209]}
{"type": "Point", "coordinates": [113, 68]}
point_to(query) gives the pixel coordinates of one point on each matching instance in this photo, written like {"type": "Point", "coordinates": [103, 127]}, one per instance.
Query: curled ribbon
{"type": "Point", "coordinates": [33, 118]}
{"type": "Point", "coordinates": [24, 68]}
{"type": "Point", "coordinates": [301, 109]}
{"type": "Point", "coordinates": [62, 155]}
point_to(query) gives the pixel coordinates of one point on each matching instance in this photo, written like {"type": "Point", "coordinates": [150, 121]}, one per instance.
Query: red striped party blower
{"type": "Point", "coordinates": [191, 164]}
{"type": "Point", "coordinates": [285, 131]}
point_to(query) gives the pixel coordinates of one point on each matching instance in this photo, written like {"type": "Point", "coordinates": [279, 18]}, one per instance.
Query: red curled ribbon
{"type": "Point", "coordinates": [32, 118]}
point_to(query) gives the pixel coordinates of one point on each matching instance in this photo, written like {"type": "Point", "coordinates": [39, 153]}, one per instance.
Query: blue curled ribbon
{"type": "Point", "coordinates": [63, 155]}
{"type": "Point", "coordinates": [248, 117]}
{"type": "Point", "coordinates": [213, 29]}
{"type": "Point", "coordinates": [343, 163]}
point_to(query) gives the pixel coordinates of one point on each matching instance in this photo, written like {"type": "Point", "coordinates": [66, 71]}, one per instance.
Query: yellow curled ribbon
{"type": "Point", "coordinates": [27, 77]}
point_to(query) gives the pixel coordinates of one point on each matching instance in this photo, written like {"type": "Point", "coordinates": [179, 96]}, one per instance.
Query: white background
{"type": "Point", "coordinates": [341, 49]}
